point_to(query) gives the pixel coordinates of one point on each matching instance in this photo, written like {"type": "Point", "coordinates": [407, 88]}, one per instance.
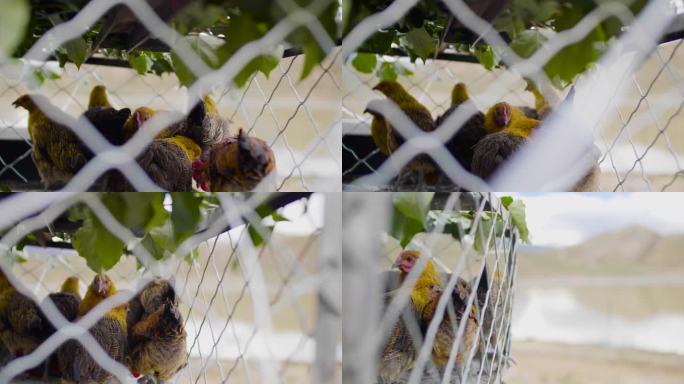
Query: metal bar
{"type": "Point", "coordinates": [366, 216]}
{"type": "Point", "coordinates": [330, 291]}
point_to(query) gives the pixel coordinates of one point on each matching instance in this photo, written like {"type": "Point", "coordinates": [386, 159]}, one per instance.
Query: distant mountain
{"type": "Point", "coordinates": [633, 246]}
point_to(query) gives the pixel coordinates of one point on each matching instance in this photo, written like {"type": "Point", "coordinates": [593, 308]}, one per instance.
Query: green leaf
{"type": "Point", "coordinates": [419, 43]}
{"type": "Point", "coordinates": [404, 228]}
{"type": "Point", "coordinates": [264, 64]}
{"type": "Point", "coordinates": [278, 217]}
{"type": "Point", "coordinates": [93, 241]}
{"type": "Point", "coordinates": [156, 250]}
{"type": "Point", "coordinates": [206, 51]}
{"type": "Point", "coordinates": [141, 62]}
{"type": "Point", "coordinates": [241, 30]}
{"type": "Point", "coordinates": [77, 51]}
{"type": "Point", "coordinates": [517, 211]}
{"type": "Point", "coordinates": [137, 211]}
{"type": "Point", "coordinates": [387, 72]}
{"type": "Point", "coordinates": [414, 205]}
{"type": "Point", "coordinates": [256, 236]}
{"type": "Point", "coordinates": [365, 62]}
{"type": "Point", "coordinates": [506, 201]}
{"type": "Point", "coordinates": [380, 42]}
{"type": "Point", "coordinates": [162, 62]}
{"type": "Point", "coordinates": [185, 215]}
{"type": "Point", "coordinates": [312, 56]}
{"type": "Point", "coordinates": [526, 43]}
{"type": "Point", "coordinates": [485, 56]}
{"type": "Point", "coordinates": [14, 19]}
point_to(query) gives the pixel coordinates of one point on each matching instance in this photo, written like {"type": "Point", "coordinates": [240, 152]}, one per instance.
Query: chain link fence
{"type": "Point", "coordinates": [633, 121]}
{"type": "Point", "coordinates": [478, 350]}
{"type": "Point", "coordinates": [267, 314]}
{"type": "Point", "coordinates": [296, 117]}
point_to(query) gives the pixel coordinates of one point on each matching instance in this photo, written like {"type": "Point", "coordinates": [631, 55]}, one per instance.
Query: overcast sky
{"type": "Point", "coordinates": [557, 219]}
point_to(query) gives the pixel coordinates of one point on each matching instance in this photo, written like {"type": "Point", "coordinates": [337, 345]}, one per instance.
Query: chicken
{"type": "Point", "coordinates": [379, 130]}
{"type": "Point", "coordinates": [21, 322]}
{"type": "Point", "coordinates": [214, 127]}
{"type": "Point", "coordinates": [156, 293]}
{"type": "Point", "coordinates": [428, 302]}
{"type": "Point", "coordinates": [495, 148]}
{"type": "Point", "coordinates": [398, 354]}
{"type": "Point", "coordinates": [98, 98]}
{"type": "Point", "coordinates": [470, 133]}
{"type": "Point", "coordinates": [500, 115]}
{"type": "Point", "coordinates": [167, 161]}
{"type": "Point", "coordinates": [446, 332]}
{"type": "Point", "coordinates": [541, 105]}
{"type": "Point", "coordinates": [160, 343]}
{"type": "Point", "coordinates": [56, 150]}
{"type": "Point", "coordinates": [67, 300]}
{"type": "Point", "coordinates": [420, 115]}
{"type": "Point", "coordinates": [153, 295]}
{"type": "Point", "coordinates": [106, 119]}
{"type": "Point", "coordinates": [237, 164]}
{"type": "Point", "coordinates": [75, 362]}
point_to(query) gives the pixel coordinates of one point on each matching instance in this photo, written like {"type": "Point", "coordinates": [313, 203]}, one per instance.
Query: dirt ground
{"type": "Point", "coordinates": [542, 363]}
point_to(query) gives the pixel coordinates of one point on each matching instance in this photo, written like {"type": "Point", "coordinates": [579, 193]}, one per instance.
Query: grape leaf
{"type": "Point", "coordinates": [420, 44]}
{"type": "Point", "coordinates": [185, 215]}
{"type": "Point", "coordinates": [14, 19]}
{"type": "Point", "coordinates": [77, 51]}
{"type": "Point", "coordinates": [365, 62]}
{"type": "Point", "coordinates": [100, 248]}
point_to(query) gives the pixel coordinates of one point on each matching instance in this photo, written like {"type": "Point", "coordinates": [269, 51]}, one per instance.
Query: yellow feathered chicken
{"type": "Point", "coordinates": [428, 299]}
{"type": "Point", "coordinates": [495, 148]}
{"type": "Point", "coordinates": [56, 151]}
{"type": "Point", "coordinates": [420, 116]}
{"type": "Point", "coordinates": [75, 362]}
{"type": "Point", "coordinates": [399, 352]}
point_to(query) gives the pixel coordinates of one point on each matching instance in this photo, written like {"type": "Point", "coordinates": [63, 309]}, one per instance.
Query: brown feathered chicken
{"type": "Point", "coordinates": [22, 325]}
{"type": "Point", "coordinates": [214, 127]}
{"type": "Point", "coordinates": [153, 295]}
{"type": "Point", "coordinates": [446, 332]}
{"type": "Point", "coordinates": [75, 363]}
{"type": "Point", "coordinates": [470, 133]}
{"type": "Point", "coordinates": [237, 164]}
{"type": "Point", "coordinates": [159, 343]}
{"type": "Point", "coordinates": [167, 161]}
{"type": "Point", "coordinates": [67, 301]}
{"type": "Point", "coordinates": [105, 118]}
{"type": "Point", "coordinates": [56, 150]}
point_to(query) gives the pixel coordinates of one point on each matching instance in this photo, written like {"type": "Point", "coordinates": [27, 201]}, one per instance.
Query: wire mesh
{"type": "Point", "coordinates": [478, 349]}
{"type": "Point", "coordinates": [634, 126]}
{"type": "Point", "coordinates": [295, 117]}
{"type": "Point", "coordinates": [250, 314]}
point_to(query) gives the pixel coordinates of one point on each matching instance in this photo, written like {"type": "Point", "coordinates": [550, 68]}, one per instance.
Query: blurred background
{"type": "Point", "coordinates": [599, 290]}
